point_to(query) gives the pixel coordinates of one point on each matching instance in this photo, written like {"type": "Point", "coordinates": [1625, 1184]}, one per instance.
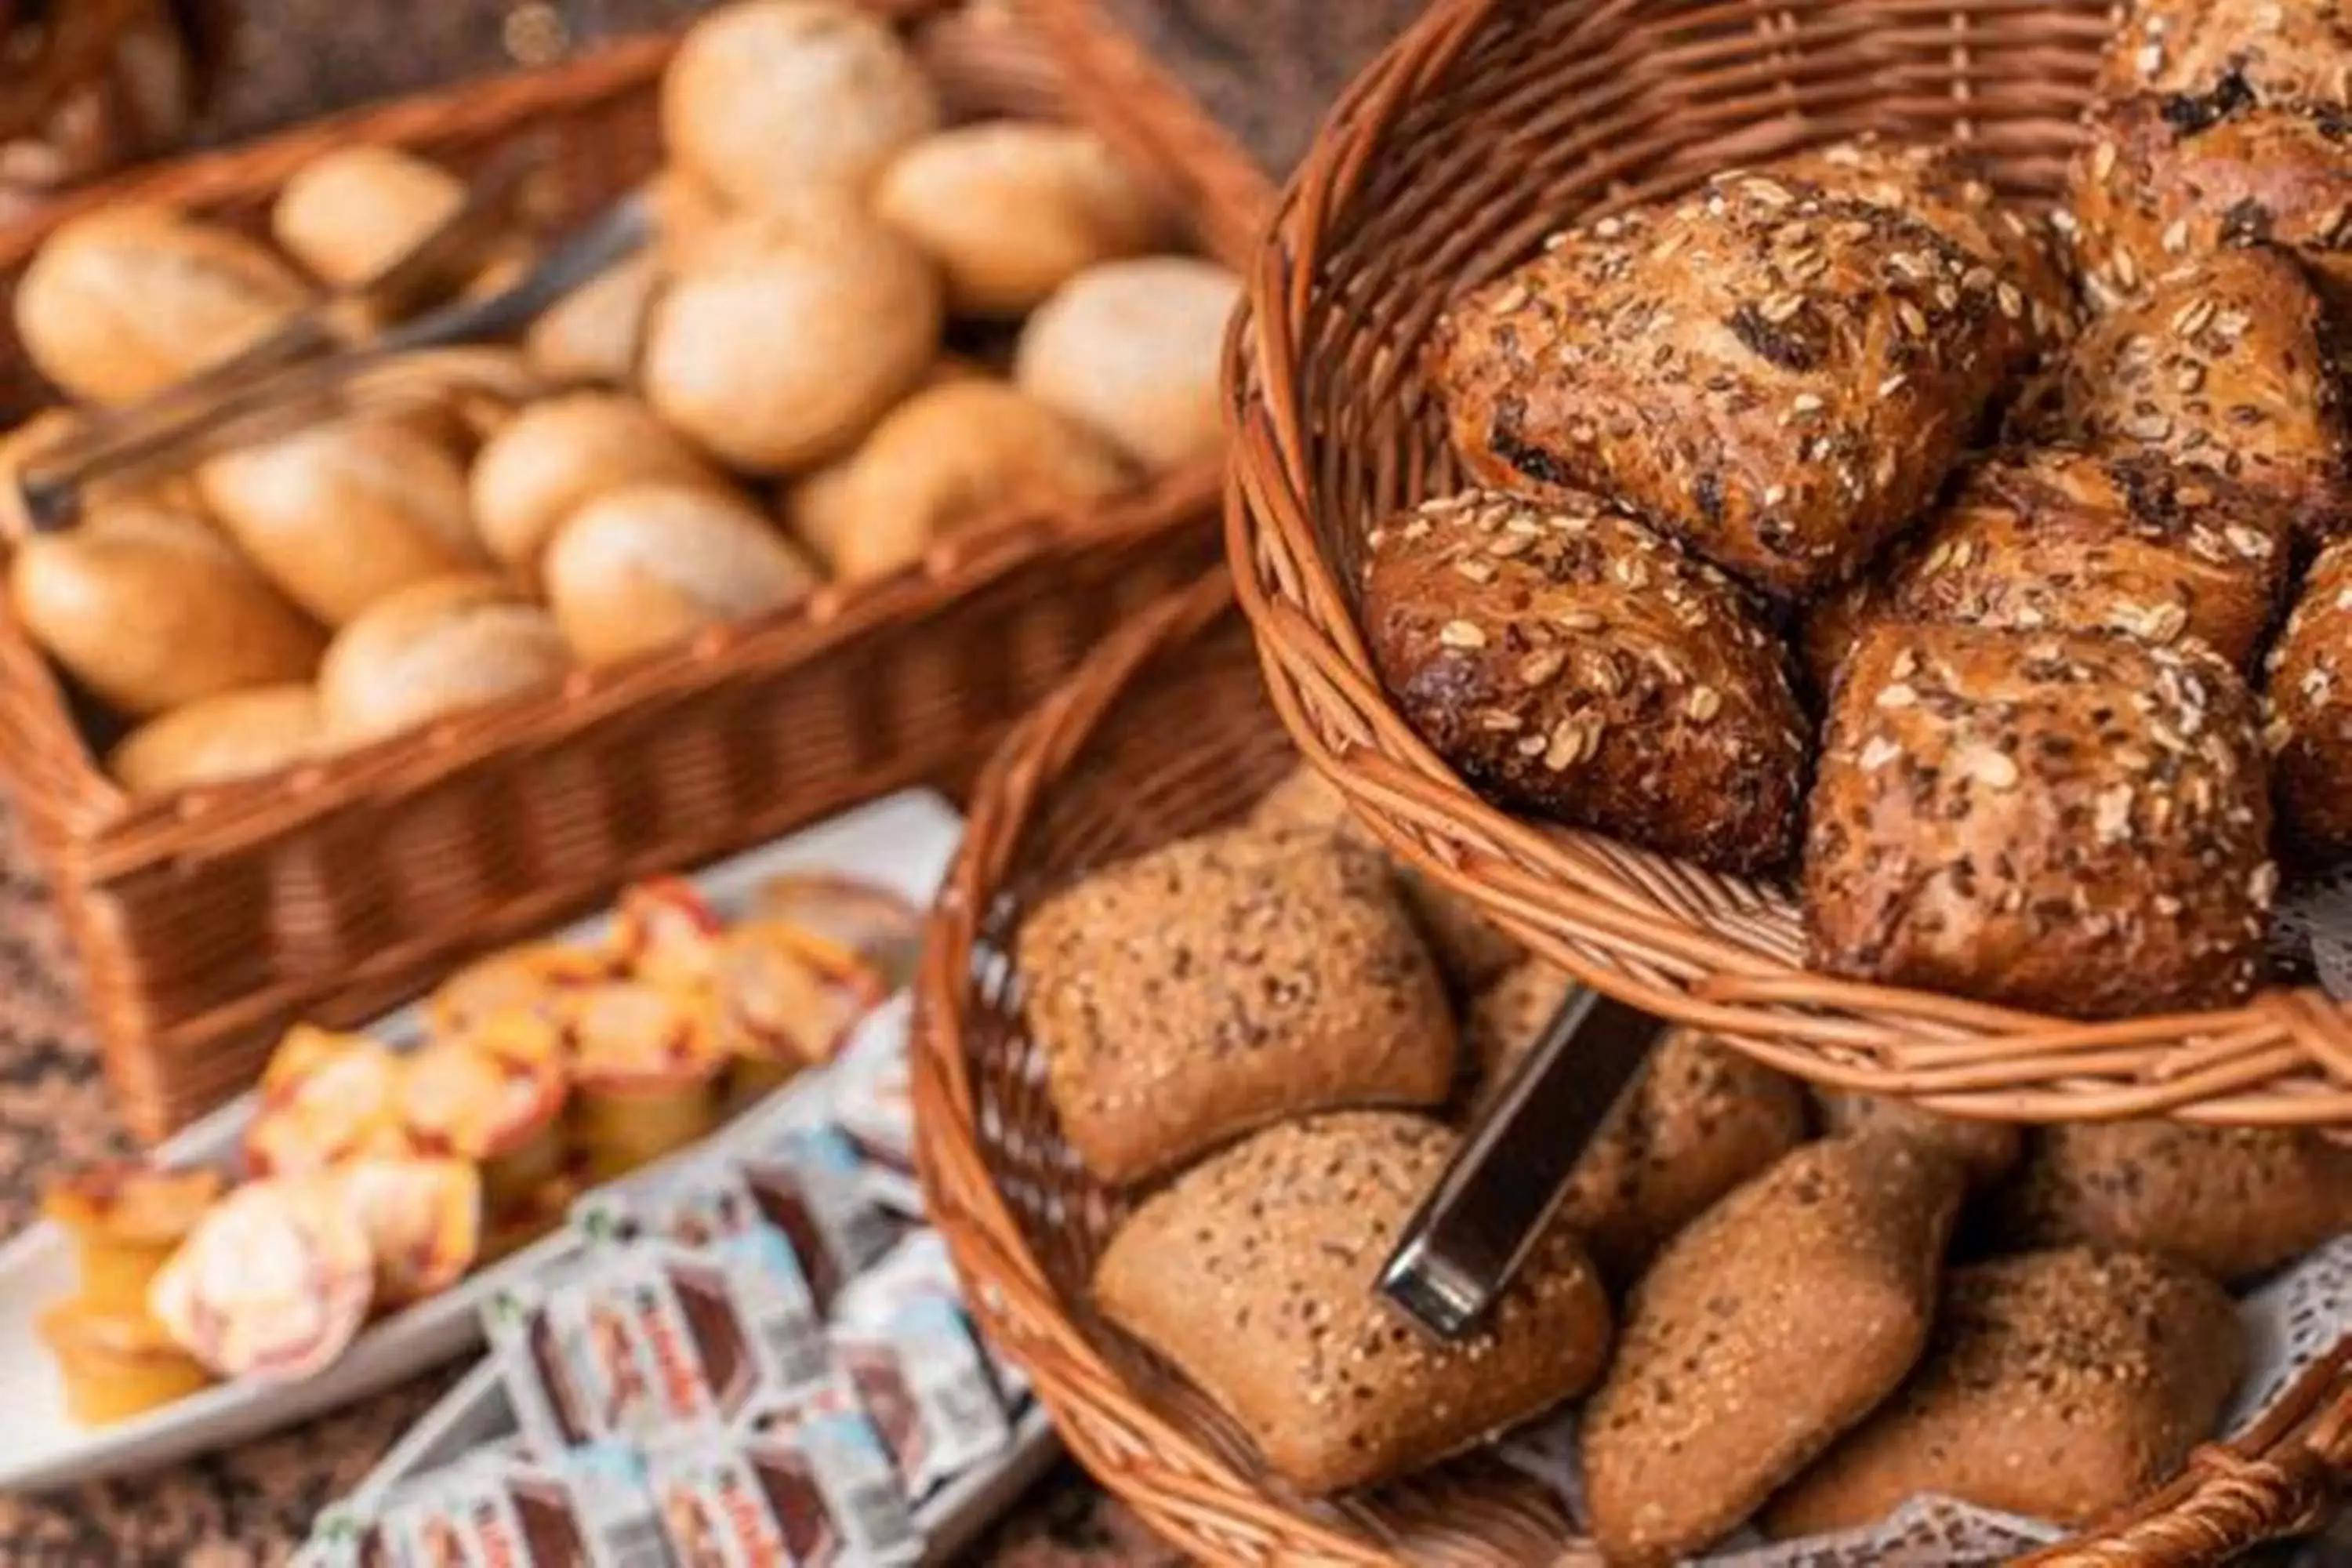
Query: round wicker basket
{"type": "Point", "coordinates": [1165, 732]}
{"type": "Point", "coordinates": [1491, 123]}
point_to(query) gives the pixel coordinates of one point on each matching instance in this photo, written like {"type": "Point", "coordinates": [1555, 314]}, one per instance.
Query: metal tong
{"type": "Point", "coordinates": [1467, 1240]}
{"type": "Point", "coordinates": [335, 342]}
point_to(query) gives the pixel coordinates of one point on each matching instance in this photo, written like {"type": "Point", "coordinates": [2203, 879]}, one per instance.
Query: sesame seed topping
{"type": "Point", "coordinates": [1704, 703]}
{"type": "Point", "coordinates": [1461, 634]}
{"type": "Point", "coordinates": [1898, 695]}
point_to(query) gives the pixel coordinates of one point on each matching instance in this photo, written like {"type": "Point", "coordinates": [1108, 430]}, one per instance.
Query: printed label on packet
{"type": "Point", "coordinates": [921, 1377]}
{"type": "Point", "coordinates": [810, 1185]}
{"type": "Point", "coordinates": [815, 1489]}
{"type": "Point", "coordinates": [591, 1508]}
{"type": "Point", "coordinates": [918, 1268]}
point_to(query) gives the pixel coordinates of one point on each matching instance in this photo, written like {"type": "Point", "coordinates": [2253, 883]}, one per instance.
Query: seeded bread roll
{"type": "Point", "coordinates": [1255, 1274]}
{"type": "Point", "coordinates": [1775, 1322]}
{"type": "Point", "coordinates": [2069, 822]}
{"type": "Point", "coordinates": [2221, 364]}
{"type": "Point", "coordinates": [1223, 982]}
{"type": "Point", "coordinates": [2267, 51]}
{"type": "Point", "coordinates": [1988, 1149]}
{"type": "Point", "coordinates": [2234, 1201]}
{"type": "Point", "coordinates": [2165, 180]}
{"type": "Point", "coordinates": [1570, 662]}
{"type": "Point", "coordinates": [1701, 1120]}
{"type": "Point", "coordinates": [2060, 1386]}
{"type": "Point", "coordinates": [2307, 707]}
{"type": "Point", "coordinates": [1780, 372]}
{"type": "Point", "coordinates": [2051, 539]}
{"type": "Point", "coordinates": [1472, 950]}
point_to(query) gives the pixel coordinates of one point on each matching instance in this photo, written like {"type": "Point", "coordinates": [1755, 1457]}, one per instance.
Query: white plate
{"type": "Point", "coordinates": [903, 842]}
{"type": "Point", "coordinates": [476, 1412]}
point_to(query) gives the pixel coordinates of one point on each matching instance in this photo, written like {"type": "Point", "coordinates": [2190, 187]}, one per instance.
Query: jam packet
{"type": "Point", "coordinates": [814, 1488]}
{"type": "Point", "coordinates": [589, 1508]}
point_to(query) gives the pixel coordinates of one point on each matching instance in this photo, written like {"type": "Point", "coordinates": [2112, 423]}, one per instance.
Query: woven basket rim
{"type": "Point", "coordinates": [2283, 1057]}
{"type": "Point", "coordinates": [102, 832]}
{"type": "Point", "coordinates": [2278, 1479]}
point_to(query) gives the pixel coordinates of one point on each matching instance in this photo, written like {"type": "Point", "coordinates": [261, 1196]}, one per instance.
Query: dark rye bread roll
{"type": "Point", "coordinates": [2222, 362]}
{"type": "Point", "coordinates": [1223, 982]}
{"type": "Point", "coordinates": [2307, 708]}
{"type": "Point", "coordinates": [2058, 1386]}
{"type": "Point", "coordinates": [2072, 823]}
{"type": "Point", "coordinates": [2269, 51]}
{"type": "Point", "coordinates": [2234, 1201]}
{"type": "Point", "coordinates": [1701, 1120]}
{"type": "Point", "coordinates": [1472, 950]}
{"type": "Point", "coordinates": [1255, 1273]}
{"type": "Point", "coordinates": [1777, 371]}
{"type": "Point", "coordinates": [2050, 539]}
{"type": "Point", "coordinates": [1774, 1324]}
{"type": "Point", "coordinates": [1573, 663]}
{"type": "Point", "coordinates": [1987, 1148]}
{"type": "Point", "coordinates": [2166, 179]}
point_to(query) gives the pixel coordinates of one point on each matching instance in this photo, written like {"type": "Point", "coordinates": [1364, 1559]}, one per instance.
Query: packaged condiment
{"type": "Point", "coordinates": [871, 921]}
{"type": "Point", "coordinates": [590, 1507]}
{"type": "Point", "coordinates": [117, 1363]}
{"type": "Point", "coordinates": [422, 1219]}
{"type": "Point", "coordinates": [644, 1066]}
{"type": "Point", "coordinates": [814, 1487]}
{"type": "Point", "coordinates": [531, 978]}
{"type": "Point", "coordinates": [919, 1371]}
{"type": "Point", "coordinates": [664, 932]}
{"type": "Point", "coordinates": [325, 1097]}
{"type": "Point", "coordinates": [808, 1183]}
{"type": "Point", "coordinates": [492, 1093]}
{"type": "Point", "coordinates": [126, 1219]}
{"type": "Point", "coordinates": [787, 999]}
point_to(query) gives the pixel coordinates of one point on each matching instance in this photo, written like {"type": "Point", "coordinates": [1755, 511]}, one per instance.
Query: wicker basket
{"type": "Point", "coordinates": [1404, 206]}
{"type": "Point", "coordinates": [1164, 731]}
{"type": "Point", "coordinates": [207, 921]}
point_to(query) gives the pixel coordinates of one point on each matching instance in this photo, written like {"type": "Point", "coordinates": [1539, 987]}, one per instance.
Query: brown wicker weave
{"type": "Point", "coordinates": [208, 921]}
{"type": "Point", "coordinates": [1486, 126]}
{"type": "Point", "coordinates": [1165, 732]}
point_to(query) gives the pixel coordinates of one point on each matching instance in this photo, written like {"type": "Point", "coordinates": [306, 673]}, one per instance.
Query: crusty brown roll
{"type": "Point", "coordinates": [2307, 707]}
{"type": "Point", "coordinates": [154, 609]}
{"type": "Point", "coordinates": [343, 513]}
{"type": "Point", "coordinates": [234, 735]}
{"type": "Point", "coordinates": [432, 648]}
{"type": "Point", "coordinates": [2049, 538]}
{"type": "Point", "coordinates": [1780, 373]}
{"type": "Point", "coordinates": [1572, 663]}
{"type": "Point", "coordinates": [126, 300]}
{"type": "Point", "coordinates": [2164, 180]}
{"type": "Point", "coordinates": [646, 566]}
{"type": "Point", "coordinates": [2267, 51]}
{"type": "Point", "coordinates": [2070, 822]}
{"type": "Point", "coordinates": [2220, 363]}
{"type": "Point", "coordinates": [1988, 1149]}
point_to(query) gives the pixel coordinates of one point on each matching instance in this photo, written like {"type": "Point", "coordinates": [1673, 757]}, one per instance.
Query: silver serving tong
{"type": "Point", "coordinates": [316, 353]}
{"type": "Point", "coordinates": [1466, 1242]}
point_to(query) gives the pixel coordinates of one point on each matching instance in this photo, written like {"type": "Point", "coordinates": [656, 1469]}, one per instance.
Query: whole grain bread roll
{"type": "Point", "coordinates": [123, 301]}
{"type": "Point", "coordinates": [1777, 1321]}
{"type": "Point", "coordinates": [432, 648]}
{"type": "Point", "coordinates": [2220, 363]}
{"type": "Point", "coordinates": [783, 340]}
{"type": "Point", "coordinates": [155, 610]}
{"type": "Point", "coordinates": [2263, 51]}
{"type": "Point", "coordinates": [233, 735]}
{"type": "Point", "coordinates": [2047, 538]}
{"type": "Point", "coordinates": [1700, 1121]}
{"type": "Point", "coordinates": [2234, 1201]}
{"type": "Point", "coordinates": [1572, 663]}
{"type": "Point", "coordinates": [1012, 209]}
{"type": "Point", "coordinates": [2165, 180]}
{"type": "Point", "coordinates": [765, 99]}
{"type": "Point", "coordinates": [960, 453]}
{"type": "Point", "coordinates": [1778, 370]}
{"type": "Point", "coordinates": [646, 566]}
{"type": "Point", "coordinates": [1988, 1149]}
{"type": "Point", "coordinates": [340, 514]}
{"type": "Point", "coordinates": [1255, 1274]}
{"type": "Point", "coordinates": [561, 452]}
{"type": "Point", "coordinates": [2059, 1387]}
{"type": "Point", "coordinates": [2070, 822]}
{"type": "Point", "coordinates": [2307, 708]}
{"type": "Point", "coordinates": [1223, 982]}
{"type": "Point", "coordinates": [1131, 350]}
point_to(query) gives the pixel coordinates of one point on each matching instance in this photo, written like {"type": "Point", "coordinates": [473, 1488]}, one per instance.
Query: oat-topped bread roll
{"type": "Point", "coordinates": [2221, 364]}
{"type": "Point", "coordinates": [2164, 180]}
{"type": "Point", "coordinates": [1702, 1120]}
{"type": "Point", "coordinates": [1572, 663]}
{"type": "Point", "coordinates": [1472, 950]}
{"type": "Point", "coordinates": [1255, 1274]}
{"type": "Point", "coordinates": [2048, 537]}
{"type": "Point", "coordinates": [1988, 1149]}
{"type": "Point", "coordinates": [2070, 822]}
{"type": "Point", "coordinates": [1779, 370]}
{"type": "Point", "coordinates": [2234, 1201]}
{"type": "Point", "coordinates": [2259, 51]}
{"type": "Point", "coordinates": [2307, 707]}
{"type": "Point", "coordinates": [1223, 982]}
{"type": "Point", "coordinates": [2060, 1386]}
{"type": "Point", "coordinates": [1777, 1321]}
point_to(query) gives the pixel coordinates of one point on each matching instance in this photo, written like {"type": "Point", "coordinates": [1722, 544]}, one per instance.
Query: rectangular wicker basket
{"type": "Point", "coordinates": [207, 923]}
